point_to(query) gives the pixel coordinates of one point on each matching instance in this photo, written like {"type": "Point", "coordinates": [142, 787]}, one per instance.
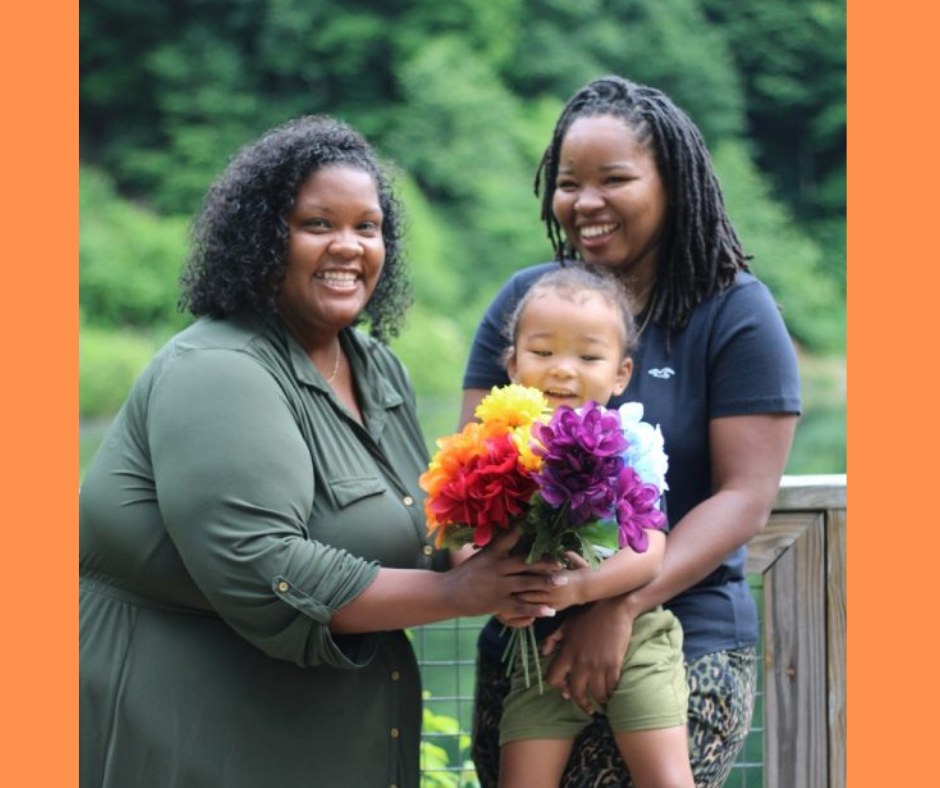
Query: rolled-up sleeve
{"type": "Point", "coordinates": [235, 486]}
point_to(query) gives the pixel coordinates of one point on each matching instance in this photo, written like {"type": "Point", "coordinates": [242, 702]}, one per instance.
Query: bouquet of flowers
{"type": "Point", "coordinates": [586, 480]}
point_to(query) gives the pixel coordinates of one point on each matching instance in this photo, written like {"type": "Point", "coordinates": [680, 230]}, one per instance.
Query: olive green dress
{"type": "Point", "coordinates": [233, 507]}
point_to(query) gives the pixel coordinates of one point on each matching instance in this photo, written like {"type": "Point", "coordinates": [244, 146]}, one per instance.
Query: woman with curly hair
{"type": "Point", "coordinates": [252, 539]}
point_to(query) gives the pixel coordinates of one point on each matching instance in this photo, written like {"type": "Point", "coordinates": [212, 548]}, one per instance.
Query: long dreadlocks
{"type": "Point", "coordinates": [701, 252]}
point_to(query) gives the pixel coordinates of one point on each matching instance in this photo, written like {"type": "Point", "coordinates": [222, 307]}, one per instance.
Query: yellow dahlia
{"type": "Point", "coordinates": [514, 405]}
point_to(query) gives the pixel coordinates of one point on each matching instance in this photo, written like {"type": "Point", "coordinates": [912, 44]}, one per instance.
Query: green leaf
{"type": "Point", "coordinates": [601, 533]}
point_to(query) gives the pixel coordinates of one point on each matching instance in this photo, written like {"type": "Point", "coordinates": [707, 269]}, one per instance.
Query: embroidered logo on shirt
{"type": "Point", "coordinates": [663, 374]}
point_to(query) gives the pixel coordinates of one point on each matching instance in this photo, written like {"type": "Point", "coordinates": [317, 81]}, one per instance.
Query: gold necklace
{"type": "Point", "coordinates": [647, 308]}
{"type": "Point", "coordinates": [646, 320]}
{"type": "Point", "coordinates": [339, 352]}
{"type": "Point", "coordinates": [642, 297]}
{"type": "Point", "coordinates": [647, 312]}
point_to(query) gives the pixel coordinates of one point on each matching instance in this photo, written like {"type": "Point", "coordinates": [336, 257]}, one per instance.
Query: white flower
{"type": "Point", "coordinates": [646, 453]}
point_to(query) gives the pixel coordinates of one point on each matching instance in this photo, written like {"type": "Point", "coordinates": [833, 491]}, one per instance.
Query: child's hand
{"type": "Point", "coordinates": [565, 589]}
{"type": "Point", "coordinates": [575, 561]}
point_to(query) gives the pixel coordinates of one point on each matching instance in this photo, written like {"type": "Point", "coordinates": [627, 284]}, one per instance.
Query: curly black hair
{"type": "Point", "coordinates": [701, 253]}
{"type": "Point", "coordinates": [238, 250]}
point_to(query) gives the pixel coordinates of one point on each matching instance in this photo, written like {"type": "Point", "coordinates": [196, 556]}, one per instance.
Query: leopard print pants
{"type": "Point", "coordinates": [721, 702]}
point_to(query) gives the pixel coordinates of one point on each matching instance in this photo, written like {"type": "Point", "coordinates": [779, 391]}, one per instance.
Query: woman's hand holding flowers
{"type": "Point", "coordinates": [494, 582]}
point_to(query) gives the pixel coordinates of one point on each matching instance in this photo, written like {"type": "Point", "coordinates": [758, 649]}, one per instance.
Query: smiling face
{"type": "Point", "coordinates": [571, 347]}
{"type": "Point", "coordinates": [609, 198]}
{"type": "Point", "coordinates": [334, 255]}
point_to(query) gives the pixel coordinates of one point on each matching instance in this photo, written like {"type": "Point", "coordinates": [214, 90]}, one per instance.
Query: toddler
{"type": "Point", "coordinates": [571, 336]}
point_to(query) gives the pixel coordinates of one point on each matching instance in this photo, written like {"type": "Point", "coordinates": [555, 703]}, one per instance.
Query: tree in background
{"type": "Point", "coordinates": [175, 84]}
{"type": "Point", "coordinates": [462, 96]}
{"type": "Point", "coordinates": [792, 56]}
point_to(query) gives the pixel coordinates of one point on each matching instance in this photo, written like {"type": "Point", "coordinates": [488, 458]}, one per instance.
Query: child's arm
{"type": "Point", "coordinates": [624, 571]}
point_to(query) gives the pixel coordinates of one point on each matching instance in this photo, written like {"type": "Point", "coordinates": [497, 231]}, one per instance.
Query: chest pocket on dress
{"type": "Point", "coordinates": [348, 491]}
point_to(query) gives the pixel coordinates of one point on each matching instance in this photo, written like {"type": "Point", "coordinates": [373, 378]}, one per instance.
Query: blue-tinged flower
{"type": "Point", "coordinates": [646, 452]}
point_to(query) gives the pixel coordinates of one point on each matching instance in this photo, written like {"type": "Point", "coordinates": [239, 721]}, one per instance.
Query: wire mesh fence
{"type": "Point", "coordinates": [447, 656]}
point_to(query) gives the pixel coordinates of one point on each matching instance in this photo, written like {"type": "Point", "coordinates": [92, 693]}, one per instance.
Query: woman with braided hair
{"type": "Point", "coordinates": [627, 184]}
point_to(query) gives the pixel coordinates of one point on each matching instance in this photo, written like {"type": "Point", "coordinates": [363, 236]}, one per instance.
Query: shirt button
{"type": "Point", "coordinates": [283, 586]}
{"type": "Point", "coordinates": [395, 675]}
{"type": "Point", "coordinates": [427, 549]}
{"type": "Point", "coordinates": [408, 500]}
{"type": "Point", "coordinates": [395, 733]}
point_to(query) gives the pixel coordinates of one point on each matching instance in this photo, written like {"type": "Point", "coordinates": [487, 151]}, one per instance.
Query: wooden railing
{"type": "Point", "coordinates": [801, 554]}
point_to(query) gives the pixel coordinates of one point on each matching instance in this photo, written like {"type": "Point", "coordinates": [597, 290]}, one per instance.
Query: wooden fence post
{"type": "Point", "coordinates": [802, 556]}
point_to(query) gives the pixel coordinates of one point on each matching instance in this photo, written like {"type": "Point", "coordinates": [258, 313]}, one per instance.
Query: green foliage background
{"type": "Point", "coordinates": [462, 97]}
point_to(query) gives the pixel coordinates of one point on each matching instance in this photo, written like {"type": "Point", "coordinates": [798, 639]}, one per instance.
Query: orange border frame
{"type": "Point", "coordinates": [892, 543]}
{"type": "Point", "coordinates": [892, 194]}
{"type": "Point", "coordinates": [38, 50]}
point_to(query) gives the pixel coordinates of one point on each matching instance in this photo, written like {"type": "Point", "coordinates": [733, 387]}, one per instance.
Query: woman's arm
{"type": "Point", "coordinates": [749, 454]}
{"type": "Point", "coordinates": [488, 582]}
{"type": "Point", "coordinates": [234, 479]}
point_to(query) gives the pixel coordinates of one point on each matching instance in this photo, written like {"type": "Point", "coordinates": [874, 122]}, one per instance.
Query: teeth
{"type": "Point", "coordinates": [597, 229]}
{"type": "Point", "coordinates": [338, 277]}
{"type": "Point", "coordinates": [558, 393]}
